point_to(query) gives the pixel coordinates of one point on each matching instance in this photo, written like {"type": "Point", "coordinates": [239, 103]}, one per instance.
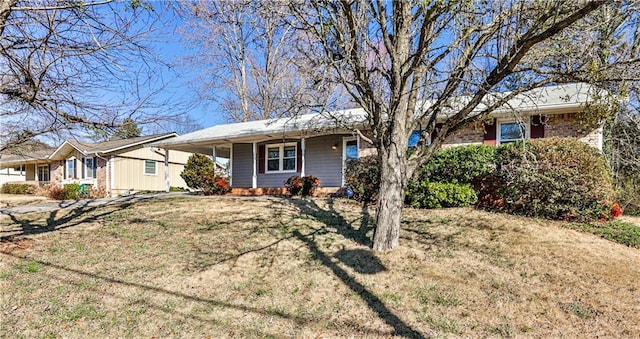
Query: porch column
{"type": "Point", "coordinates": [254, 182]}
{"type": "Point", "coordinates": [213, 157]}
{"type": "Point", "coordinates": [230, 165]}
{"type": "Point", "coordinates": [35, 173]}
{"type": "Point", "coordinates": [166, 170]}
{"type": "Point", "coordinates": [303, 170]}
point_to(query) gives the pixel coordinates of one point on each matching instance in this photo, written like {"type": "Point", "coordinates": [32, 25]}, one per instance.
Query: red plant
{"type": "Point", "coordinates": [616, 210]}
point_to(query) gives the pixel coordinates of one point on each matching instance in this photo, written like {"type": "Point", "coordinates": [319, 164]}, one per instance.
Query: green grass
{"type": "Point", "coordinates": [619, 231]}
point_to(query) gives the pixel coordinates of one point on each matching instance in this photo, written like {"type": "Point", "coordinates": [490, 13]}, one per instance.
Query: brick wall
{"type": "Point", "coordinates": [470, 134]}
{"type": "Point", "coordinates": [101, 173]}
{"type": "Point", "coordinates": [56, 171]}
{"type": "Point", "coordinates": [565, 125]}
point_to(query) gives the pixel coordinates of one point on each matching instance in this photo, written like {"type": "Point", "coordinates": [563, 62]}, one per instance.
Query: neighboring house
{"type": "Point", "coordinates": [32, 166]}
{"type": "Point", "coordinates": [263, 154]}
{"type": "Point", "coordinates": [118, 167]}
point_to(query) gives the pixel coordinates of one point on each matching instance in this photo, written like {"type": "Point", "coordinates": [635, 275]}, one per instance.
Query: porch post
{"type": "Point", "coordinates": [213, 157]}
{"type": "Point", "coordinates": [35, 168]}
{"type": "Point", "coordinates": [166, 170]}
{"type": "Point", "coordinates": [254, 182]}
{"type": "Point", "coordinates": [303, 170]}
{"type": "Point", "coordinates": [230, 165]}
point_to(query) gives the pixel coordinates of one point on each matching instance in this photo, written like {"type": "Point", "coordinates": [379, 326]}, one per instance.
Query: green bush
{"type": "Point", "coordinates": [555, 178]}
{"type": "Point", "coordinates": [70, 192]}
{"type": "Point", "coordinates": [18, 189]}
{"type": "Point", "coordinates": [304, 186]}
{"type": "Point", "coordinates": [426, 194]}
{"type": "Point", "coordinates": [214, 185]}
{"type": "Point", "coordinates": [619, 231]}
{"type": "Point", "coordinates": [362, 175]}
{"type": "Point", "coordinates": [199, 172]}
{"type": "Point", "coordinates": [463, 165]}
{"type": "Point", "coordinates": [628, 195]}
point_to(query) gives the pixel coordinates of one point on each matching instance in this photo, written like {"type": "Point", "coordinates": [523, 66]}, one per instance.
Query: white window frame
{"type": "Point", "coordinates": [281, 147]}
{"type": "Point", "coordinates": [70, 174]}
{"type": "Point", "coordinates": [87, 168]}
{"type": "Point", "coordinates": [499, 124]}
{"type": "Point", "coordinates": [155, 167]}
{"type": "Point", "coordinates": [48, 172]}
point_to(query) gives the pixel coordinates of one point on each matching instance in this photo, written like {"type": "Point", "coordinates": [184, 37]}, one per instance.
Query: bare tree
{"type": "Point", "coordinates": [408, 63]}
{"type": "Point", "coordinates": [252, 66]}
{"type": "Point", "coordinates": [68, 64]}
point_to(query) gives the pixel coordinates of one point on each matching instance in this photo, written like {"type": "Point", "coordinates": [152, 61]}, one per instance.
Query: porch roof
{"type": "Point", "coordinates": [32, 157]}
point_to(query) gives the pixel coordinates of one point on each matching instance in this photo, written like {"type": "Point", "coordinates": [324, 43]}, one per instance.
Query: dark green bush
{"type": "Point", "coordinates": [426, 194]}
{"type": "Point", "coordinates": [304, 186]}
{"type": "Point", "coordinates": [555, 178]}
{"type": "Point", "coordinates": [199, 172]}
{"type": "Point", "coordinates": [18, 189]}
{"type": "Point", "coordinates": [463, 165]}
{"type": "Point", "coordinates": [362, 175]}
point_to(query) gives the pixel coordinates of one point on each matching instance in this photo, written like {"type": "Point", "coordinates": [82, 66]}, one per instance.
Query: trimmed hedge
{"type": "Point", "coordinates": [554, 178]}
{"type": "Point", "coordinates": [440, 194]}
{"type": "Point", "coordinates": [460, 165]}
{"type": "Point", "coordinates": [304, 186]}
{"type": "Point", "coordinates": [18, 189]}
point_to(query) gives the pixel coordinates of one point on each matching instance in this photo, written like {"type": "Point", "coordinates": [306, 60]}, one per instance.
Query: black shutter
{"type": "Point", "coordinates": [537, 126]}
{"type": "Point", "coordinates": [95, 165]}
{"type": "Point", "coordinates": [490, 133]}
{"type": "Point", "coordinates": [82, 169]}
{"type": "Point", "coordinates": [64, 169]}
{"type": "Point", "coordinates": [299, 157]}
{"type": "Point", "coordinates": [75, 168]}
{"type": "Point", "coordinates": [261, 159]}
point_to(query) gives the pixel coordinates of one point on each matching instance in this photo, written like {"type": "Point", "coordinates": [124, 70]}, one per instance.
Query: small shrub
{"type": "Point", "coordinates": [53, 191]}
{"type": "Point", "coordinates": [214, 185]}
{"type": "Point", "coordinates": [628, 195]}
{"type": "Point", "coordinates": [618, 231]}
{"type": "Point", "coordinates": [438, 194]}
{"type": "Point", "coordinates": [304, 186]}
{"type": "Point", "coordinates": [70, 192]}
{"type": "Point", "coordinates": [459, 165]}
{"type": "Point", "coordinates": [9, 188]}
{"type": "Point", "coordinates": [362, 175]}
{"type": "Point", "coordinates": [554, 178]}
{"type": "Point", "coordinates": [199, 172]}
{"type": "Point", "coordinates": [177, 189]}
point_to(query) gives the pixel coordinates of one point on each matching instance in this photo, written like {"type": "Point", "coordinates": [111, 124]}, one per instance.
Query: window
{"type": "Point", "coordinates": [19, 168]}
{"type": "Point", "coordinates": [281, 157]}
{"type": "Point", "coordinates": [511, 131]}
{"type": "Point", "coordinates": [70, 168]}
{"type": "Point", "coordinates": [351, 149]}
{"type": "Point", "coordinates": [89, 169]}
{"type": "Point", "coordinates": [43, 173]}
{"type": "Point", "coordinates": [149, 167]}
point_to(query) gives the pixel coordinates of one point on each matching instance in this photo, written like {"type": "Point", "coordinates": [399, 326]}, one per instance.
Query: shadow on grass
{"type": "Point", "coordinates": [78, 214]}
{"type": "Point", "coordinates": [333, 219]}
{"type": "Point", "coordinates": [374, 303]}
{"type": "Point", "coordinates": [300, 321]}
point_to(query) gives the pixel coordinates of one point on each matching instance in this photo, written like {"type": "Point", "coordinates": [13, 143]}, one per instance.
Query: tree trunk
{"type": "Point", "coordinates": [390, 202]}
{"type": "Point", "coordinates": [5, 11]}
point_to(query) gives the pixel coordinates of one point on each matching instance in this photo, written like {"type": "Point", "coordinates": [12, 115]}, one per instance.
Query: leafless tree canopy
{"type": "Point", "coordinates": [408, 62]}
{"type": "Point", "coordinates": [252, 68]}
{"type": "Point", "coordinates": [66, 64]}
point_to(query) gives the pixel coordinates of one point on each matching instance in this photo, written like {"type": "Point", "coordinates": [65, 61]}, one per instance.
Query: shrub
{"type": "Point", "coordinates": [18, 189]}
{"type": "Point", "coordinates": [214, 185]}
{"type": "Point", "coordinates": [362, 175]}
{"type": "Point", "coordinates": [199, 172]}
{"type": "Point", "coordinates": [463, 164]}
{"type": "Point", "coordinates": [424, 194]}
{"type": "Point", "coordinates": [619, 231]}
{"type": "Point", "coordinates": [53, 191]}
{"type": "Point", "coordinates": [552, 178]}
{"type": "Point", "coordinates": [628, 195]}
{"type": "Point", "coordinates": [304, 186]}
{"type": "Point", "coordinates": [70, 192]}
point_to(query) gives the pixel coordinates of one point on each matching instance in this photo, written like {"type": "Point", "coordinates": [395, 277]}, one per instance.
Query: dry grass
{"type": "Point", "coordinates": [261, 267]}
{"type": "Point", "coordinates": [13, 200]}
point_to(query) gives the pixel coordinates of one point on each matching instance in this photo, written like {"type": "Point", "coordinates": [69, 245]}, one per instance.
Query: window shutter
{"type": "Point", "coordinates": [298, 156]}
{"type": "Point", "coordinates": [490, 133]}
{"type": "Point", "coordinates": [75, 168]}
{"type": "Point", "coordinates": [537, 126]}
{"type": "Point", "coordinates": [95, 165]}
{"type": "Point", "coordinates": [82, 169]}
{"type": "Point", "coordinates": [261, 159]}
{"type": "Point", "coordinates": [64, 169]}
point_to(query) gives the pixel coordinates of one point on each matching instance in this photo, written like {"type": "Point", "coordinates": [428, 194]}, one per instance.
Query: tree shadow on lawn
{"type": "Point", "coordinates": [298, 320]}
{"type": "Point", "coordinates": [52, 223]}
{"type": "Point", "coordinates": [331, 218]}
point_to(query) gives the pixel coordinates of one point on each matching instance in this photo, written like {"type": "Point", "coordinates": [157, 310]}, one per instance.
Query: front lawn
{"type": "Point", "coordinates": [270, 267]}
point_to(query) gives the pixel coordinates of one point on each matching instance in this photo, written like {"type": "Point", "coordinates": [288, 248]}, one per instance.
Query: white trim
{"type": "Point", "coordinates": [167, 185]}
{"type": "Point", "coordinates": [84, 165]}
{"type": "Point", "coordinates": [230, 165]}
{"type": "Point", "coordinates": [155, 167]}
{"type": "Point", "coordinates": [303, 149]}
{"type": "Point", "coordinates": [527, 128]}
{"type": "Point", "coordinates": [345, 140]}
{"type": "Point", "coordinates": [281, 147]}
{"type": "Point", "coordinates": [254, 175]}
